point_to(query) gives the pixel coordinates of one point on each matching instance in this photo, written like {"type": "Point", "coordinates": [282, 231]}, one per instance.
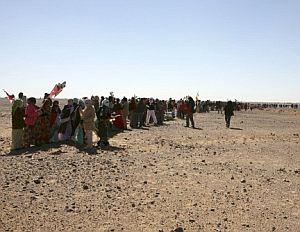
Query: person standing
{"type": "Point", "coordinates": [65, 128]}
{"type": "Point", "coordinates": [42, 125]}
{"type": "Point", "coordinates": [125, 111]}
{"type": "Point", "coordinates": [190, 107]}
{"type": "Point", "coordinates": [140, 110]}
{"type": "Point", "coordinates": [160, 112]}
{"type": "Point", "coordinates": [151, 112]}
{"type": "Point", "coordinates": [31, 115]}
{"type": "Point", "coordinates": [96, 103]}
{"type": "Point", "coordinates": [17, 125]}
{"type": "Point", "coordinates": [54, 121]}
{"type": "Point", "coordinates": [88, 117]}
{"type": "Point", "coordinates": [133, 113]}
{"type": "Point", "coordinates": [103, 116]}
{"type": "Point", "coordinates": [117, 112]}
{"type": "Point", "coordinates": [228, 109]}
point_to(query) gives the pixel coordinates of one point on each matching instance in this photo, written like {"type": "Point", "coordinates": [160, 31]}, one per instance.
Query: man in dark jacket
{"type": "Point", "coordinates": [228, 109]}
{"type": "Point", "coordinates": [190, 112]}
{"type": "Point", "coordinates": [140, 111]}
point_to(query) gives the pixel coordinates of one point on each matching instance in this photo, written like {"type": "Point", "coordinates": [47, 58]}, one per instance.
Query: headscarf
{"type": "Point", "coordinates": [46, 106]}
{"type": "Point", "coordinates": [88, 102]}
{"type": "Point", "coordinates": [17, 104]}
{"type": "Point", "coordinates": [75, 101]}
{"type": "Point", "coordinates": [81, 103]}
{"type": "Point", "coordinates": [105, 102]}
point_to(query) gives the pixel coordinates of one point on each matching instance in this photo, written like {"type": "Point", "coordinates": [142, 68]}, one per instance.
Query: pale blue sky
{"type": "Point", "coordinates": [224, 49]}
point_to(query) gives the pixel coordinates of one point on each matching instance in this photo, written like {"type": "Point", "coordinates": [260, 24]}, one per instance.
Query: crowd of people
{"type": "Point", "coordinates": [76, 121]}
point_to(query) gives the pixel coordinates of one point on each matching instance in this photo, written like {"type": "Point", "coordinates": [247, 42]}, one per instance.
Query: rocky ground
{"type": "Point", "coordinates": [168, 178]}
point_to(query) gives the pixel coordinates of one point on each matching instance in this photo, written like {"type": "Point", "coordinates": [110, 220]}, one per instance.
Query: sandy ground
{"type": "Point", "coordinates": [168, 178]}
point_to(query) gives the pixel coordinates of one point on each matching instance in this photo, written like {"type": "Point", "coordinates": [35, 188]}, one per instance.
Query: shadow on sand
{"type": "Point", "coordinates": [194, 128]}
{"type": "Point", "coordinates": [94, 150]}
{"type": "Point", "coordinates": [235, 128]}
{"type": "Point", "coordinates": [34, 149]}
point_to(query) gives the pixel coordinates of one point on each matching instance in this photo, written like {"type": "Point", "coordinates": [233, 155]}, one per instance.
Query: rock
{"type": "Point", "coordinates": [243, 181]}
{"type": "Point", "coordinates": [179, 229]}
{"type": "Point", "coordinates": [37, 181]}
{"type": "Point", "coordinates": [85, 187]}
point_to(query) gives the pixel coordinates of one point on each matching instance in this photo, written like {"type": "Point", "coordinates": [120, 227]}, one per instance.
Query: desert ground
{"type": "Point", "coordinates": [167, 178]}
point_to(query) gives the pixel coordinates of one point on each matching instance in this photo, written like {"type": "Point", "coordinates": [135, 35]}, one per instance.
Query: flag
{"type": "Point", "coordinates": [57, 89]}
{"type": "Point", "coordinates": [9, 97]}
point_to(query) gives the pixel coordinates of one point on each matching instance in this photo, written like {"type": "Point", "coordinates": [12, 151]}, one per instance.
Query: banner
{"type": "Point", "coordinates": [57, 89]}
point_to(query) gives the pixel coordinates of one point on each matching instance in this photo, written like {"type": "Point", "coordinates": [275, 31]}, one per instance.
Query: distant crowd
{"type": "Point", "coordinates": [76, 121]}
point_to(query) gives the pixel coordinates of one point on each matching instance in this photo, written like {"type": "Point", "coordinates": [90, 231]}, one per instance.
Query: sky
{"type": "Point", "coordinates": [247, 50]}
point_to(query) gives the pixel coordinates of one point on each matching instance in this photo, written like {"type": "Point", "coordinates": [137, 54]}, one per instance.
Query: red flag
{"type": "Point", "coordinates": [9, 97]}
{"type": "Point", "coordinates": [57, 89]}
